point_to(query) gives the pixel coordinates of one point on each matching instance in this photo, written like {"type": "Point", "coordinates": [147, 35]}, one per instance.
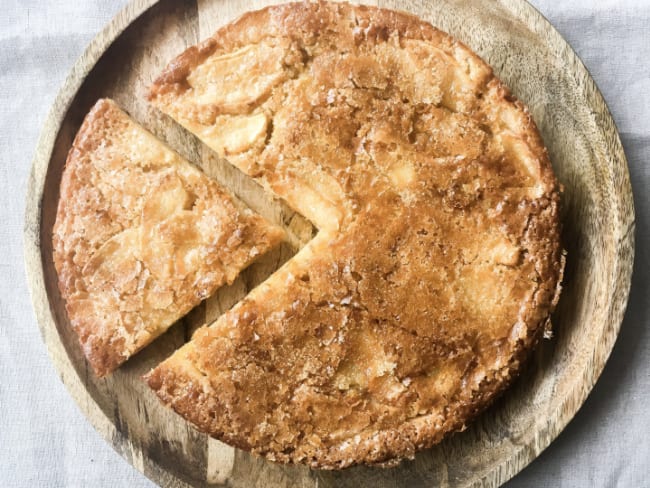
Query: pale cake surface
{"type": "Point", "coordinates": [437, 262]}
{"type": "Point", "coordinates": [141, 236]}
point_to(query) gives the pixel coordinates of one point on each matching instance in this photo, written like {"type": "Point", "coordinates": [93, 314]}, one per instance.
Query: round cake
{"type": "Point", "coordinates": [438, 258]}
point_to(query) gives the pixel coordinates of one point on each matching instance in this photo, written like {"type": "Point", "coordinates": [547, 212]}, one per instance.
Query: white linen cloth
{"type": "Point", "coordinates": [46, 441]}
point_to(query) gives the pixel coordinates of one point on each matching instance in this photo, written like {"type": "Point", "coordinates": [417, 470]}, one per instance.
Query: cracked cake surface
{"type": "Point", "coordinates": [438, 258]}
{"type": "Point", "coordinates": [141, 237]}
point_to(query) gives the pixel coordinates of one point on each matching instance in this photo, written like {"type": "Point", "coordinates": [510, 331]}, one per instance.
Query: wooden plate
{"type": "Point", "coordinates": [542, 70]}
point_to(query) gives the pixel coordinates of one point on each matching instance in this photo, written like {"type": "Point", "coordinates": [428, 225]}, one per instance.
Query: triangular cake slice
{"type": "Point", "coordinates": [141, 237]}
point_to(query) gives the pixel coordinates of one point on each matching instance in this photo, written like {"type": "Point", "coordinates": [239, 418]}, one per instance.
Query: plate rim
{"type": "Point", "coordinates": [501, 472]}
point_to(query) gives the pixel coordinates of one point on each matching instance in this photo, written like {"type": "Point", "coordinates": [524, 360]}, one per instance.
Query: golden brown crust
{"type": "Point", "coordinates": [438, 259]}
{"type": "Point", "coordinates": [141, 236]}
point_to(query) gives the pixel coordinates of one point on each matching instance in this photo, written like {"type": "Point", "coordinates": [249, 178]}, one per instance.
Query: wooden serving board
{"type": "Point", "coordinates": [598, 215]}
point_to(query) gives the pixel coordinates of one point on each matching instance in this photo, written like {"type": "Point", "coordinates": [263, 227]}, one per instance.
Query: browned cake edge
{"type": "Point", "coordinates": [103, 354]}
{"type": "Point", "coordinates": [189, 399]}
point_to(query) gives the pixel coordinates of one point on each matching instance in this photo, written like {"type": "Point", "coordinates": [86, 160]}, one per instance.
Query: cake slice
{"type": "Point", "coordinates": [141, 237]}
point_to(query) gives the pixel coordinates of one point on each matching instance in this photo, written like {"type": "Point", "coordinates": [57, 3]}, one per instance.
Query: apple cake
{"type": "Point", "coordinates": [438, 258]}
{"type": "Point", "coordinates": [141, 237]}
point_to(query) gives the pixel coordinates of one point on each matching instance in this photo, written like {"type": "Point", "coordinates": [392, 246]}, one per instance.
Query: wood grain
{"type": "Point", "coordinates": [598, 215]}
